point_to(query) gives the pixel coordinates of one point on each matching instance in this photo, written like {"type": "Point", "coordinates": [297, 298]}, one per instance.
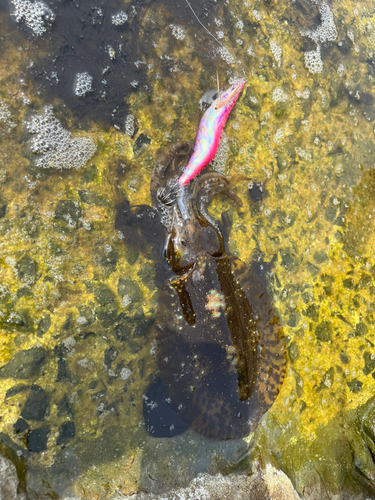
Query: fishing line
{"type": "Point", "coordinates": [214, 37]}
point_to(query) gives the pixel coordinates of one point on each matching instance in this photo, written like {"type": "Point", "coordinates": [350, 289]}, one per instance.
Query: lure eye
{"type": "Point", "coordinates": [207, 99]}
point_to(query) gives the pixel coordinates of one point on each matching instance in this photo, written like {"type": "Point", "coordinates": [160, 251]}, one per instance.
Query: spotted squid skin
{"type": "Point", "coordinates": [209, 133]}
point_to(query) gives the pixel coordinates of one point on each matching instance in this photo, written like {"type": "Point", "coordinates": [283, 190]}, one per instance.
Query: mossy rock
{"type": "Point", "coordinates": [323, 331]}
{"type": "Point", "coordinates": [27, 269]}
{"type": "Point", "coordinates": [68, 211]}
{"type": "Point", "coordinates": [24, 364]}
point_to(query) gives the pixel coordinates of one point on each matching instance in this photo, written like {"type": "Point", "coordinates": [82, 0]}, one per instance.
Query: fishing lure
{"type": "Point", "coordinates": [209, 131]}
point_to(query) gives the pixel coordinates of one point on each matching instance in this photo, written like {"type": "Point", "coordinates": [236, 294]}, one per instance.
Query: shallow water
{"type": "Point", "coordinates": [79, 288]}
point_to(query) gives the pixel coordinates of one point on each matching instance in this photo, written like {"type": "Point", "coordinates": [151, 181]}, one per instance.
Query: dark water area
{"type": "Point", "coordinates": [83, 37]}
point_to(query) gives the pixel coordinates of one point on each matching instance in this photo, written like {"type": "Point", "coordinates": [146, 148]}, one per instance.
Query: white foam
{"type": "Point", "coordinates": [305, 94]}
{"type": "Point", "coordinates": [277, 52]}
{"type": "Point", "coordinates": [313, 61]}
{"type": "Point", "coordinates": [111, 52]}
{"type": "Point", "coordinates": [327, 31]}
{"type": "Point", "coordinates": [6, 122]}
{"type": "Point", "coordinates": [55, 146]}
{"type": "Point", "coordinates": [279, 95]}
{"type": "Point", "coordinates": [257, 15]}
{"type": "Point", "coordinates": [129, 125]}
{"type": "Point", "coordinates": [278, 136]}
{"type": "Point", "coordinates": [36, 15]}
{"type": "Point", "coordinates": [119, 19]}
{"type": "Point", "coordinates": [220, 159]}
{"type": "Point", "coordinates": [177, 31]}
{"type": "Point", "coordinates": [250, 51]}
{"type": "Point", "coordinates": [4, 112]}
{"type": "Point", "coordinates": [341, 70]}
{"type": "Point", "coordinates": [126, 300]}
{"type": "Point", "coordinates": [226, 55]}
{"type": "Point", "coordinates": [83, 84]}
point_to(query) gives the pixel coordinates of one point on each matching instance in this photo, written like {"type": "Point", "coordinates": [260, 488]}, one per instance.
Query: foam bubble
{"type": "Point", "coordinates": [278, 136]}
{"type": "Point", "coordinates": [313, 61]}
{"type": "Point", "coordinates": [277, 52]}
{"type": "Point", "coordinates": [129, 125]}
{"type": "Point", "coordinates": [5, 114]}
{"type": "Point", "coordinates": [240, 25]}
{"type": "Point", "coordinates": [279, 95]}
{"type": "Point", "coordinates": [257, 15]}
{"type": "Point", "coordinates": [111, 52]}
{"type": "Point", "coordinates": [6, 117]}
{"type": "Point", "coordinates": [119, 19]}
{"type": "Point", "coordinates": [341, 70]}
{"type": "Point", "coordinates": [177, 31]}
{"type": "Point", "coordinates": [36, 15]}
{"type": "Point", "coordinates": [220, 159]}
{"type": "Point", "coordinates": [305, 94]}
{"type": "Point", "coordinates": [83, 84]}
{"type": "Point", "coordinates": [226, 55]}
{"type": "Point", "coordinates": [327, 31]}
{"type": "Point", "coordinates": [250, 51]}
{"type": "Point", "coordinates": [55, 146]}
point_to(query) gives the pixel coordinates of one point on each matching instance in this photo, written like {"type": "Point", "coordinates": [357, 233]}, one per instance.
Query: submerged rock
{"type": "Point", "coordinates": [20, 426]}
{"type": "Point", "coordinates": [266, 483]}
{"type": "Point", "coordinates": [67, 431]}
{"type": "Point", "coordinates": [141, 144]}
{"type": "Point", "coordinates": [68, 211]}
{"type": "Point", "coordinates": [37, 439]}
{"type": "Point", "coordinates": [36, 405]}
{"type": "Point", "coordinates": [27, 269]}
{"type": "Point", "coordinates": [24, 364]}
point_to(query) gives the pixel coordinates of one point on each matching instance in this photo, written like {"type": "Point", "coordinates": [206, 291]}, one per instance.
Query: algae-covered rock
{"type": "Point", "coordinates": [44, 325]}
{"type": "Point", "coordinates": [323, 331]}
{"type": "Point", "coordinates": [24, 364]}
{"type": "Point", "coordinates": [27, 269]}
{"type": "Point", "coordinates": [3, 207]}
{"type": "Point", "coordinates": [129, 290]}
{"type": "Point", "coordinates": [140, 145]}
{"type": "Point", "coordinates": [68, 211]}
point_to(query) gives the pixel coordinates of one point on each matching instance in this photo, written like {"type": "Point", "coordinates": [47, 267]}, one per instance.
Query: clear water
{"type": "Point", "coordinates": [90, 95]}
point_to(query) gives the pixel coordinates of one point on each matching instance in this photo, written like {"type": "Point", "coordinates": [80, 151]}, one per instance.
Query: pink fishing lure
{"type": "Point", "coordinates": [209, 132]}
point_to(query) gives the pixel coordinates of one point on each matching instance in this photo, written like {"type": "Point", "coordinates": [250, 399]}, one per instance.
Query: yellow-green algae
{"type": "Point", "coordinates": [313, 150]}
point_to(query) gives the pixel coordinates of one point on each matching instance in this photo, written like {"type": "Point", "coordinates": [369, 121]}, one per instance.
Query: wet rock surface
{"type": "Point", "coordinates": [267, 484]}
{"type": "Point", "coordinates": [9, 481]}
